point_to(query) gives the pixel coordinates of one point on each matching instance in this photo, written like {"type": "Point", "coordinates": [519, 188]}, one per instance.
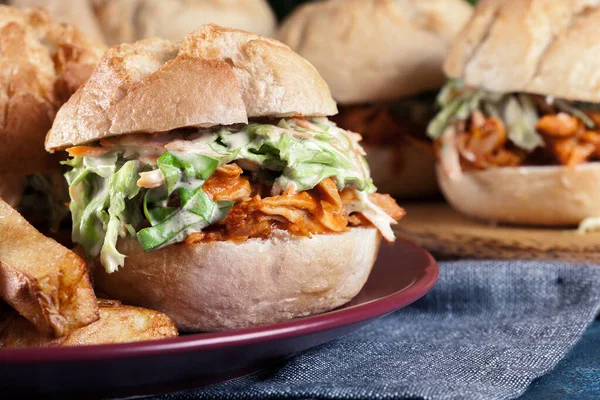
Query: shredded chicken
{"type": "Point", "coordinates": [377, 126]}
{"type": "Point", "coordinates": [482, 143]}
{"type": "Point", "coordinates": [151, 179]}
{"type": "Point", "coordinates": [320, 210]}
{"type": "Point", "coordinates": [227, 183]}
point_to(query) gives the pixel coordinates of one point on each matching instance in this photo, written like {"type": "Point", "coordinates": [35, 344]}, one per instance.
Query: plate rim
{"type": "Point", "coordinates": [240, 337]}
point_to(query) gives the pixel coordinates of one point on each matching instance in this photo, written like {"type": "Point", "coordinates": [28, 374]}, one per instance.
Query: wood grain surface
{"type": "Point", "coordinates": [448, 234]}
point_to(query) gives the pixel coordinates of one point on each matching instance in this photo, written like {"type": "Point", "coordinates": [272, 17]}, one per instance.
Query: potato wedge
{"type": "Point", "coordinates": [117, 324]}
{"type": "Point", "coordinates": [45, 282]}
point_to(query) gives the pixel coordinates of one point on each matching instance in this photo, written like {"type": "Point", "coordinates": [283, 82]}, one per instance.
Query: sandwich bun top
{"type": "Point", "coordinates": [128, 21]}
{"type": "Point", "coordinates": [216, 76]}
{"type": "Point", "coordinates": [42, 64]}
{"type": "Point", "coordinates": [547, 47]}
{"type": "Point", "coordinates": [376, 50]}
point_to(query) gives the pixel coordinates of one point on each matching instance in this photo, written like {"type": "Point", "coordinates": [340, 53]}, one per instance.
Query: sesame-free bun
{"type": "Point", "coordinates": [130, 20]}
{"type": "Point", "coordinates": [376, 50]}
{"type": "Point", "coordinates": [42, 64]}
{"type": "Point", "coordinates": [227, 285]}
{"type": "Point", "coordinates": [215, 76]}
{"type": "Point", "coordinates": [547, 47]}
{"type": "Point", "coordinates": [78, 13]}
{"type": "Point", "coordinates": [404, 171]}
{"type": "Point", "coordinates": [544, 195]}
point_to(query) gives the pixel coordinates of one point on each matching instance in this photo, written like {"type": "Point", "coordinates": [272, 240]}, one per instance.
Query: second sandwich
{"type": "Point", "coordinates": [518, 135]}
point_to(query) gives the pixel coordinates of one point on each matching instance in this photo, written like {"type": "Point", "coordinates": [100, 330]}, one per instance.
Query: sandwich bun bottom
{"type": "Point", "coordinates": [403, 171]}
{"type": "Point", "coordinates": [544, 195]}
{"type": "Point", "coordinates": [217, 286]}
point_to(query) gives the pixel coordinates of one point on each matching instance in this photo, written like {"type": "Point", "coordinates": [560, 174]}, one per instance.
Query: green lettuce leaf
{"type": "Point", "coordinates": [122, 186]}
{"type": "Point", "coordinates": [186, 174]}
{"type": "Point", "coordinates": [520, 116]}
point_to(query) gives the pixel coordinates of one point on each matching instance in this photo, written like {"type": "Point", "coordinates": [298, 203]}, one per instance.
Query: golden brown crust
{"type": "Point", "coordinates": [42, 64]}
{"type": "Point", "coordinates": [226, 285]}
{"type": "Point", "coordinates": [149, 86]}
{"type": "Point", "coordinates": [376, 50]}
{"type": "Point", "coordinates": [117, 324]}
{"type": "Point", "coordinates": [274, 80]}
{"type": "Point", "coordinates": [536, 46]}
{"type": "Point", "coordinates": [158, 105]}
{"type": "Point", "coordinates": [549, 196]}
{"type": "Point", "coordinates": [128, 21]}
{"type": "Point", "coordinates": [43, 281]}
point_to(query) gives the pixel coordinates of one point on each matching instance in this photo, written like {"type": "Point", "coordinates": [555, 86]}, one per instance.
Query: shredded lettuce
{"type": "Point", "coordinates": [185, 173]}
{"type": "Point", "coordinates": [121, 187]}
{"type": "Point", "coordinates": [102, 205]}
{"type": "Point", "coordinates": [520, 116]}
{"type": "Point", "coordinates": [306, 162]}
{"type": "Point", "coordinates": [567, 107]}
{"type": "Point", "coordinates": [294, 155]}
{"type": "Point", "coordinates": [518, 112]}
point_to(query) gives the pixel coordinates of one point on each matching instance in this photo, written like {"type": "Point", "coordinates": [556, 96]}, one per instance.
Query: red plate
{"type": "Point", "coordinates": [403, 273]}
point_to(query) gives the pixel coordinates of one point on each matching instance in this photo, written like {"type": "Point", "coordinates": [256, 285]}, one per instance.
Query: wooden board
{"type": "Point", "coordinates": [448, 234]}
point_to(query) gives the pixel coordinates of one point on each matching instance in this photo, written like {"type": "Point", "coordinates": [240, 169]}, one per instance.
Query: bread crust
{"type": "Point", "coordinates": [547, 195]}
{"type": "Point", "coordinates": [226, 285]}
{"type": "Point", "coordinates": [404, 171]}
{"type": "Point", "coordinates": [42, 64]}
{"type": "Point", "coordinates": [538, 46]}
{"type": "Point", "coordinates": [376, 50]}
{"type": "Point", "coordinates": [216, 76]}
{"type": "Point", "coordinates": [274, 80]}
{"type": "Point", "coordinates": [128, 21]}
{"type": "Point", "coordinates": [76, 13]}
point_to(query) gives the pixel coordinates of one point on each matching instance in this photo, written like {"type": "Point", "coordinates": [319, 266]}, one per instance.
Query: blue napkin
{"type": "Point", "coordinates": [486, 330]}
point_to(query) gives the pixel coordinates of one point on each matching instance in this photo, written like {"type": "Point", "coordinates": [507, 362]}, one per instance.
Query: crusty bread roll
{"type": "Point", "coordinates": [547, 195]}
{"type": "Point", "coordinates": [130, 20]}
{"type": "Point", "coordinates": [376, 50]}
{"type": "Point", "coordinates": [42, 64]}
{"type": "Point", "coordinates": [227, 76]}
{"type": "Point", "coordinates": [78, 13]}
{"type": "Point", "coordinates": [226, 285]}
{"type": "Point", "coordinates": [548, 47]}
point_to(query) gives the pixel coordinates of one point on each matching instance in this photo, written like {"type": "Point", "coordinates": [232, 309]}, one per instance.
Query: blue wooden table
{"type": "Point", "coordinates": [577, 376]}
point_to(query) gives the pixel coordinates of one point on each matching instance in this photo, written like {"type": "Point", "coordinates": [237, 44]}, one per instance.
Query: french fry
{"type": "Point", "coordinates": [117, 324]}
{"type": "Point", "coordinates": [45, 282]}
